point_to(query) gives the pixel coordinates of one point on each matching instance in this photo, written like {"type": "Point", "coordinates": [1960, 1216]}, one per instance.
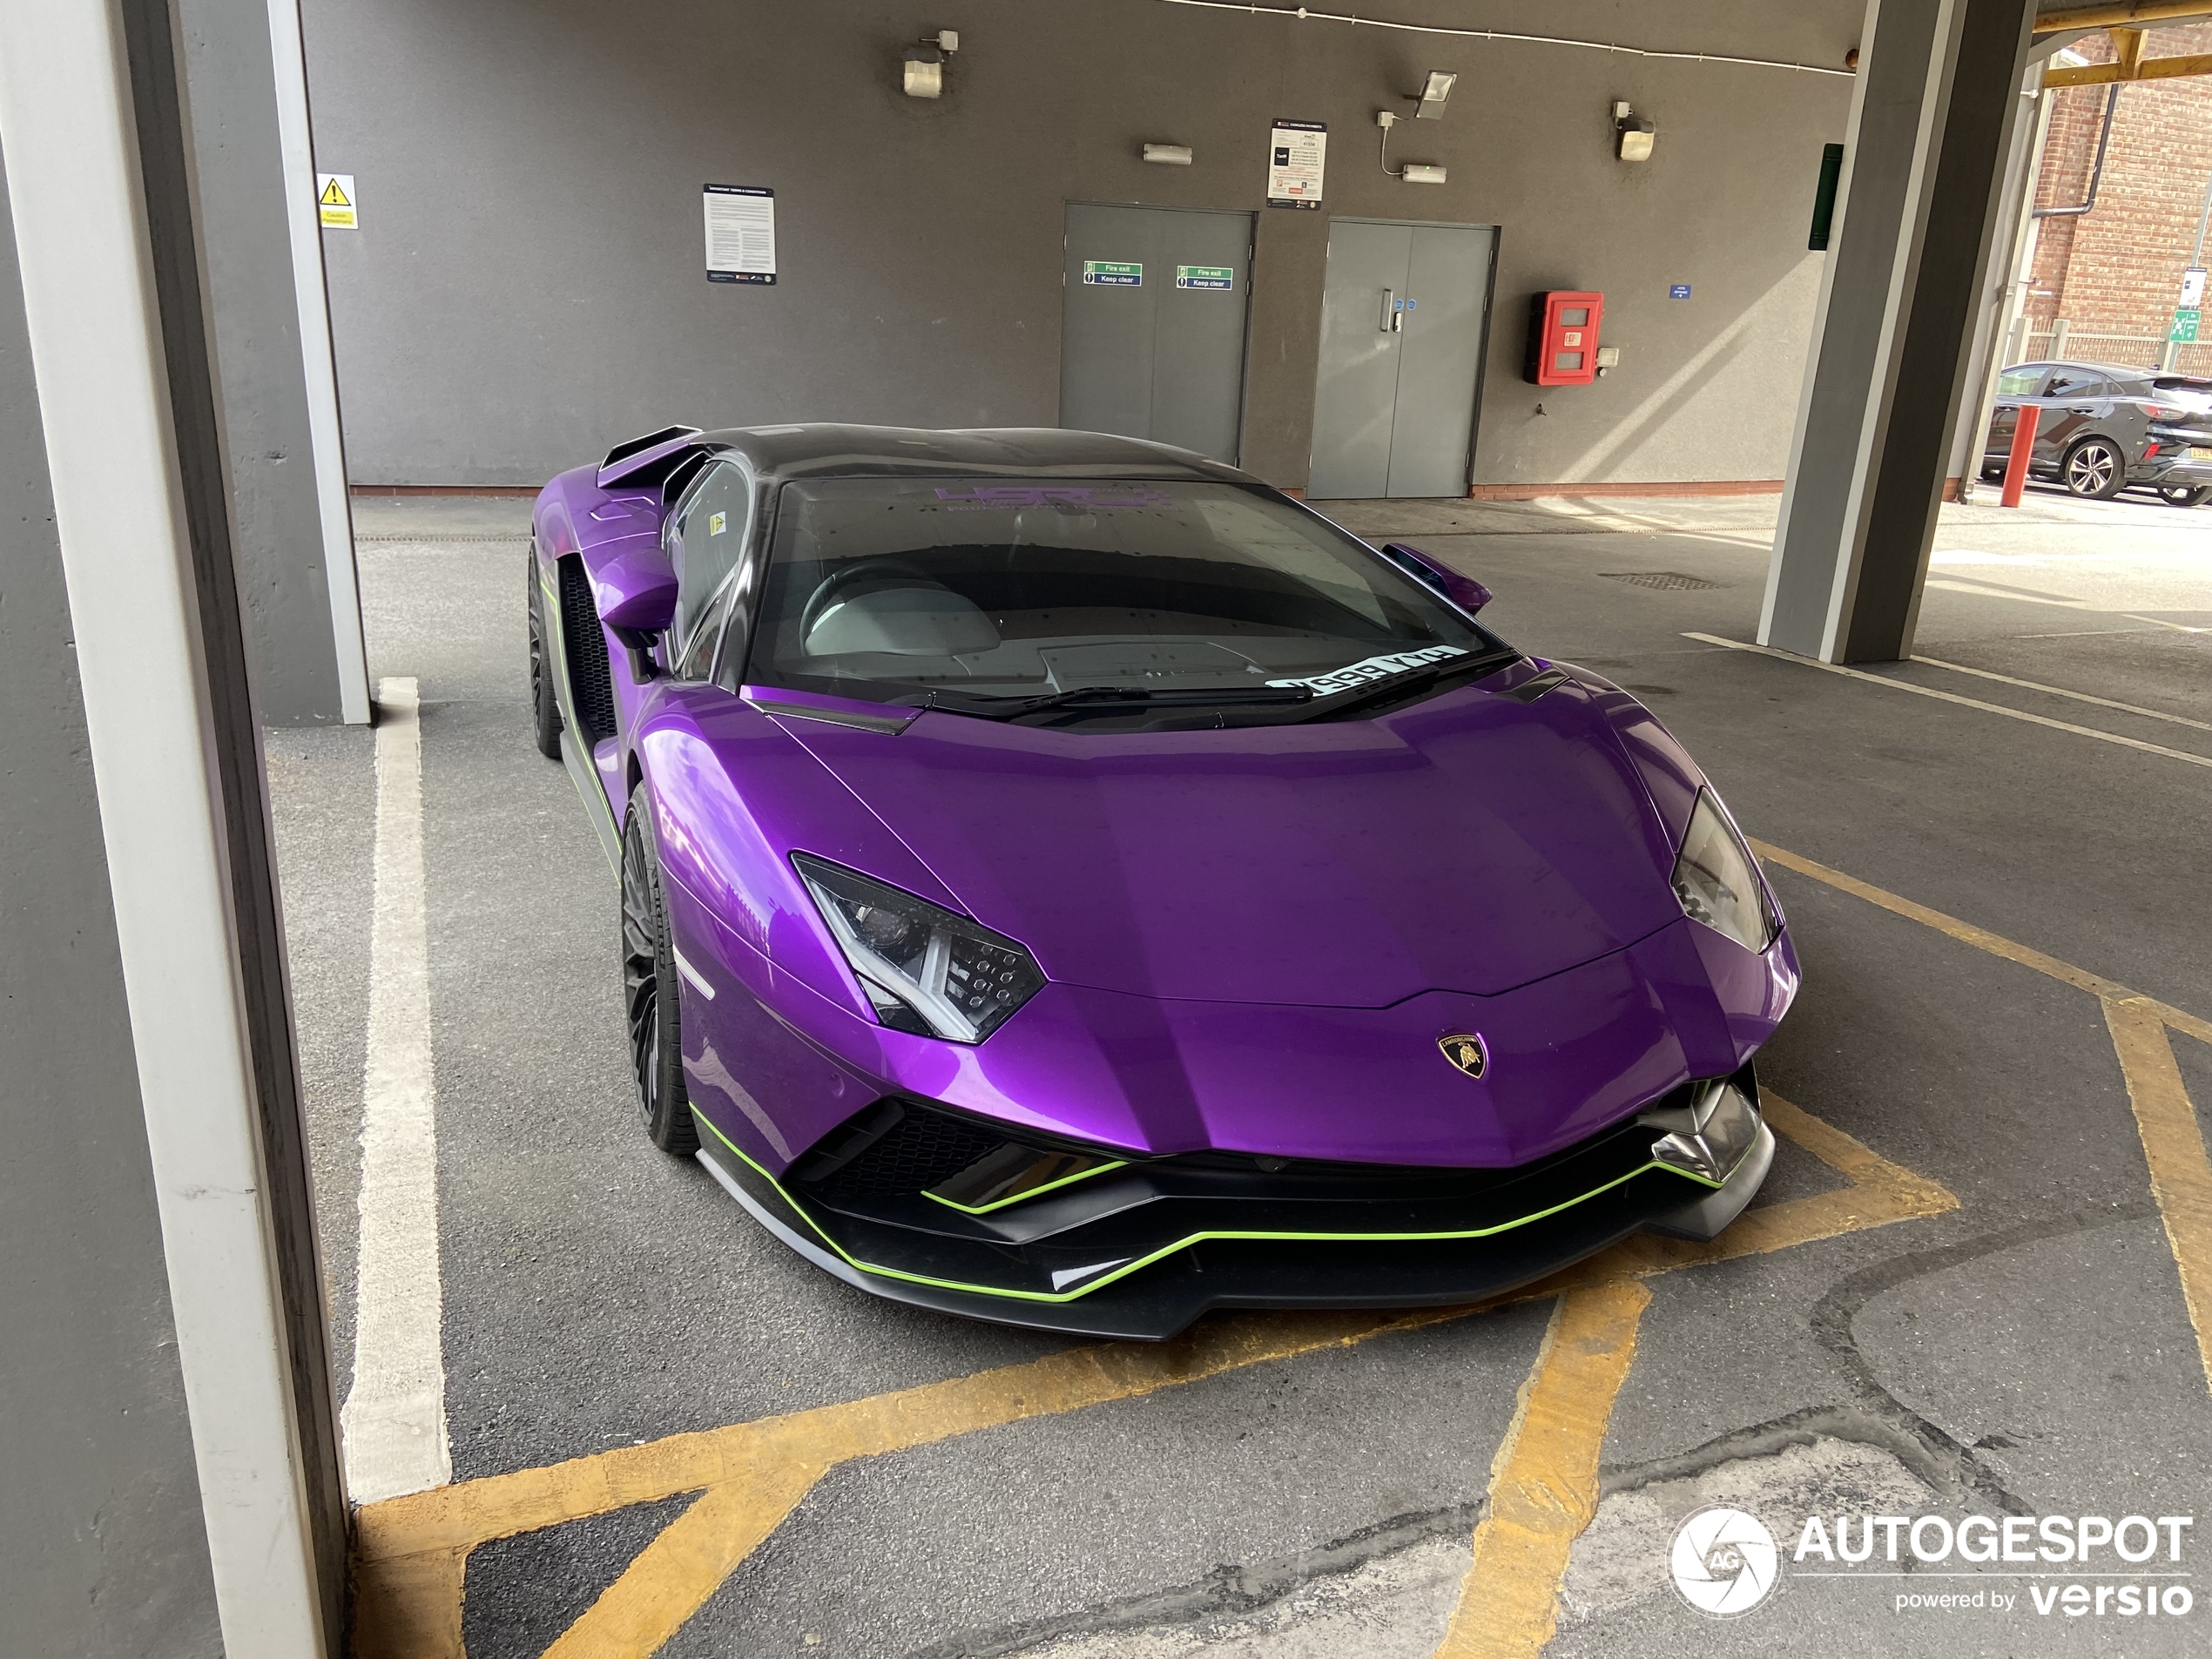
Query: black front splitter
{"type": "Point", "coordinates": [1163, 1298]}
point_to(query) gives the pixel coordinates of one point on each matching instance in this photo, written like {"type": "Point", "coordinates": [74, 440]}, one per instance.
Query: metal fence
{"type": "Point", "coordinates": [2149, 350]}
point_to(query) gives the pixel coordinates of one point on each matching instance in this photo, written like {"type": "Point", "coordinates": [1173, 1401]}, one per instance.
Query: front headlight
{"type": "Point", "coordinates": [1717, 880]}
{"type": "Point", "coordinates": [926, 969]}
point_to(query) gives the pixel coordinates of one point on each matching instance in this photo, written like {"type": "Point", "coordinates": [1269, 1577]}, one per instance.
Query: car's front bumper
{"type": "Point", "coordinates": [1141, 1249]}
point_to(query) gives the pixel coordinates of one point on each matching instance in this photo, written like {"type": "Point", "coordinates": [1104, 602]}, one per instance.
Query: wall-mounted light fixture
{"type": "Point", "coordinates": [1168, 155]}
{"type": "Point", "coordinates": [924, 69]}
{"type": "Point", "coordinates": [1632, 134]}
{"type": "Point", "coordinates": [1428, 105]}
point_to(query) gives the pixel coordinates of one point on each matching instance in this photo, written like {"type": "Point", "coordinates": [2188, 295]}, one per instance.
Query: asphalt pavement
{"type": "Point", "coordinates": [2028, 1353]}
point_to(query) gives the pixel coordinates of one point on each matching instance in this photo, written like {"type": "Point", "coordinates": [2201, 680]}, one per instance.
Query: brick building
{"type": "Point", "coordinates": [2113, 272]}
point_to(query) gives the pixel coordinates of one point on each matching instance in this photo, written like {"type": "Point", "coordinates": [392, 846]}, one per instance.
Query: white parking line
{"type": "Point", "coordinates": [394, 1422]}
{"type": "Point", "coordinates": [2060, 690]}
{"type": "Point", "coordinates": [1953, 697]}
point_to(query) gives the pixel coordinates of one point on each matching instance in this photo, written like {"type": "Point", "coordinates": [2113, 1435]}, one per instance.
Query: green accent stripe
{"type": "Point", "coordinates": [1142, 1262]}
{"type": "Point", "coordinates": [1034, 1192]}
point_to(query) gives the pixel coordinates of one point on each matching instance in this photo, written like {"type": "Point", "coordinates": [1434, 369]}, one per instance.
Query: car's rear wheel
{"type": "Point", "coordinates": [649, 988]}
{"type": "Point", "coordinates": [2094, 469]}
{"type": "Point", "coordinates": [2184, 494]}
{"type": "Point", "coordinates": [545, 708]}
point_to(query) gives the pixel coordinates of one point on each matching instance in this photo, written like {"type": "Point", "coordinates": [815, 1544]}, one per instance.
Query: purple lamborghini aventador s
{"type": "Point", "coordinates": [1066, 882]}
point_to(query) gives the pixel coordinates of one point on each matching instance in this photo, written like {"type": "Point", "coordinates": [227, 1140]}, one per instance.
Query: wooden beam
{"type": "Point", "coordinates": [2148, 69]}
{"type": "Point", "coordinates": [2119, 13]}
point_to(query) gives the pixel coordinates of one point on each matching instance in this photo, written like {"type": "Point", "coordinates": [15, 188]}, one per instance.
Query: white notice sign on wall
{"type": "Point", "coordinates": [740, 233]}
{"type": "Point", "coordinates": [1295, 153]}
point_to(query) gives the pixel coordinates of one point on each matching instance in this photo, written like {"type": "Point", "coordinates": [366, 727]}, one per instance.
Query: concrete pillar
{"type": "Point", "coordinates": [101, 1548]}
{"type": "Point", "coordinates": [165, 1405]}
{"type": "Point", "coordinates": [2003, 321]}
{"type": "Point", "coordinates": [244, 76]}
{"type": "Point", "coordinates": [1920, 200]}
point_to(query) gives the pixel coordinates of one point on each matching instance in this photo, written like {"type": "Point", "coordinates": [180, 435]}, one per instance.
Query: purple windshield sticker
{"type": "Point", "coordinates": [1373, 668]}
{"type": "Point", "coordinates": [1053, 495]}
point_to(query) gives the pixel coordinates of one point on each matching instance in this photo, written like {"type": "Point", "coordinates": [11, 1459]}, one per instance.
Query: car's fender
{"type": "Point", "coordinates": [733, 796]}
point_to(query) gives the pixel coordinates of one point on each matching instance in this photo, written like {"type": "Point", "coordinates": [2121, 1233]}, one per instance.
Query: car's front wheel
{"type": "Point", "coordinates": [2094, 469]}
{"type": "Point", "coordinates": [649, 988]}
{"type": "Point", "coordinates": [545, 708]}
{"type": "Point", "coordinates": [2184, 494]}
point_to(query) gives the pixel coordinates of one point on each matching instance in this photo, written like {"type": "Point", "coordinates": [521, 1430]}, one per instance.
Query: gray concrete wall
{"type": "Point", "coordinates": [528, 283]}
{"type": "Point", "coordinates": [101, 1545]}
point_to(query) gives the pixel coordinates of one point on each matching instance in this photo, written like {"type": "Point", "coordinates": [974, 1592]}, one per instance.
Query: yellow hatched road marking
{"type": "Point", "coordinates": [1543, 1482]}
{"type": "Point", "coordinates": [2181, 1175]}
{"type": "Point", "coordinates": [1982, 939]}
{"type": "Point", "coordinates": [410, 1552]}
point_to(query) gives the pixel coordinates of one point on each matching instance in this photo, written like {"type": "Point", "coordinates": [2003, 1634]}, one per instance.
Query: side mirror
{"type": "Point", "coordinates": [636, 594]}
{"type": "Point", "coordinates": [1462, 590]}
{"type": "Point", "coordinates": [635, 591]}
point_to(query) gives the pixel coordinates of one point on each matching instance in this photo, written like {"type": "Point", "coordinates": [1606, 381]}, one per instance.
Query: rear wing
{"type": "Point", "coordinates": [644, 464]}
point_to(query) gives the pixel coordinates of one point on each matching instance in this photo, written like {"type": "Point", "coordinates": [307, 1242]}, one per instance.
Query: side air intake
{"type": "Point", "coordinates": [590, 684]}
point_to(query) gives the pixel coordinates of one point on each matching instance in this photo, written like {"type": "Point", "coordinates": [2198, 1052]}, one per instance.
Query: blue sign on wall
{"type": "Point", "coordinates": [1680, 290]}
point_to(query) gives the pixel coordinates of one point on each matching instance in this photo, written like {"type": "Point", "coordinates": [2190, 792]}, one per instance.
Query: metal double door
{"type": "Point", "coordinates": [1152, 333]}
{"type": "Point", "coordinates": [1405, 315]}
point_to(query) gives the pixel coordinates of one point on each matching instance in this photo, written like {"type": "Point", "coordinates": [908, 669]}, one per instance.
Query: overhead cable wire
{"type": "Point", "coordinates": [1305, 14]}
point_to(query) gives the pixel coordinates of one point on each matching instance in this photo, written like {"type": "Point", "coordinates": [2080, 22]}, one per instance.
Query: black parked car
{"type": "Point", "coordinates": [2105, 429]}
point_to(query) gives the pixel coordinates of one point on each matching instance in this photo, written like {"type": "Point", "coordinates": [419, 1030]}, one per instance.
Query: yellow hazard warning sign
{"type": "Point", "coordinates": [335, 201]}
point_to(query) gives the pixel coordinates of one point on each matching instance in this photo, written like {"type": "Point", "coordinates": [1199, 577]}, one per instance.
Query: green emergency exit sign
{"type": "Point", "coordinates": [2184, 328]}
{"type": "Point", "coordinates": [1218, 277]}
{"type": "Point", "coordinates": [1111, 274]}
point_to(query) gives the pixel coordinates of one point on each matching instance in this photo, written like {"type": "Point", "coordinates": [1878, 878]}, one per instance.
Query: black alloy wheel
{"type": "Point", "coordinates": [2094, 469]}
{"type": "Point", "coordinates": [651, 1004]}
{"type": "Point", "coordinates": [545, 708]}
{"type": "Point", "coordinates": [2184, 494]}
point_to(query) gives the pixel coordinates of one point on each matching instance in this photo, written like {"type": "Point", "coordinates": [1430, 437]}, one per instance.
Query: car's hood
{"type": "Point", "coordinates": [1469, 843]}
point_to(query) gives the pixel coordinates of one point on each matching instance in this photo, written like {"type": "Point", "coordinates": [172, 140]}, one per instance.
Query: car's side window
{"type": "Point", "coordinates": [2020, 383]}
{"type": "Point", "coordinates": [2079, 383]}
{"type": "Point", "coordinates": [710, 537]}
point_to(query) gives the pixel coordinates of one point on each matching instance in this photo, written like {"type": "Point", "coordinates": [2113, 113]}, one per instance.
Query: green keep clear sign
{"type": "Point", "coordinates": [1206, 276]}
{"type": "Point", "coordinates": [1112, 273]}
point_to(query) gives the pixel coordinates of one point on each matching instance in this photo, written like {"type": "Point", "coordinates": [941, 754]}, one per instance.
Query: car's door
{"type": "Point", "coordinates": [2014, 387]}
{"type": "Point", "coordinates": [2074, 399]}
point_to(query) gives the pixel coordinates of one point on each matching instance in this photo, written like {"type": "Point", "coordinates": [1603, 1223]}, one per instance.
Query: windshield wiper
{"type": "Point", "coordinates": [1111, 699]}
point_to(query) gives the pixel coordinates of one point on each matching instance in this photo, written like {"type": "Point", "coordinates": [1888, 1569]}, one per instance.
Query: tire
{"type": "Point", "coordinates": [545, 707]}
{"type": "Point", "coordinates": [2094, 469]}
{"type": "Point", "coordinates": [2184, 494]}
{"type": "Point", "coordinates": [652, 1009]}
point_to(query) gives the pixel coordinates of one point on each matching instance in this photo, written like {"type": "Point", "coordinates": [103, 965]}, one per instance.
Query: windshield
{"type": "Point", "coordinates": [1099, 598]}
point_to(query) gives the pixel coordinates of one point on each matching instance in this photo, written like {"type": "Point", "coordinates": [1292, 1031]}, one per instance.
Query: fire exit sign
{"type": "Point", "coordinates": [1112, 273]}
{"type": "Point", "coordinates": [2184, 329]}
